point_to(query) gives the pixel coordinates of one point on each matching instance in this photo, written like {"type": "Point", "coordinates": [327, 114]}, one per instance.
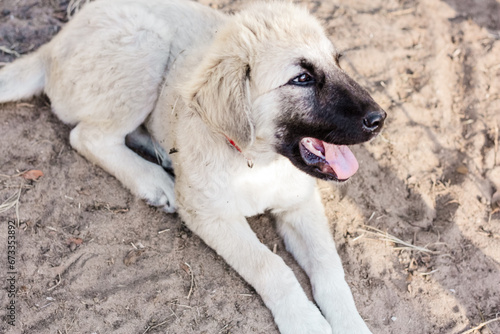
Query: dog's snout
{"type": "Point", "coordinates": [374, 120]}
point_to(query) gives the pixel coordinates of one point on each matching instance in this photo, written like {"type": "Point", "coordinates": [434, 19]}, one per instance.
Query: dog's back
{"type": "Point", "coordinates": [138, 40]}
{"type": "Point", "coordinates": [103, 73]}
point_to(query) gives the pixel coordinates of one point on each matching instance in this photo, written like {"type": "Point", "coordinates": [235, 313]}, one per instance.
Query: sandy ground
{"type": "Point", "coordinates": [91, 258]}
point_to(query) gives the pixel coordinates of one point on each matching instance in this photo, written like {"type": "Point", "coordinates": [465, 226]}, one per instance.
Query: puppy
{"type": "Point", "coordinates": [252, 108]}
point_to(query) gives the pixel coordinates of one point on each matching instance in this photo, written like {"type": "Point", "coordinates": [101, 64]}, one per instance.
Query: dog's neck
{"type": "Point", "coordinates": [232, 143]}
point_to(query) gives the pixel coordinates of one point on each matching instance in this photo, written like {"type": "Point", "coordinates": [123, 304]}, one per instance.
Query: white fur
{"type": "Point", "coordinates": [183, 70]}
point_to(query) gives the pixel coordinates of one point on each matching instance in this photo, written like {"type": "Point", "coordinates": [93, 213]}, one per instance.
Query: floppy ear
{"type": "Point", "coordinates": [219, 93]}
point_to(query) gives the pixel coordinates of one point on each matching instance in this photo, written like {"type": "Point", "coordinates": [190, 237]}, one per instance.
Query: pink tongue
{"type": "Point", "coordinates": [341, 159]}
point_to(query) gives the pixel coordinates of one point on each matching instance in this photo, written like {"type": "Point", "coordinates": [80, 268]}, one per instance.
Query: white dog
{"type": "Point", "coordinates": [251, 108]}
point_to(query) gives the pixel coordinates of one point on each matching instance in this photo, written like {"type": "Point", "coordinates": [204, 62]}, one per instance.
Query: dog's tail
{"type": "Point", "coordinates": [22, 78]}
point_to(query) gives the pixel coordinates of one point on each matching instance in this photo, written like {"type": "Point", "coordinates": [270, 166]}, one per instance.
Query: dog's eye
{"type": "Point", "coordinates": [303, 79]}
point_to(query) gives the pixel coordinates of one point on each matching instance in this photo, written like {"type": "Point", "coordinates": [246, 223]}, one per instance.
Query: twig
{"type": "Point", "coordinates": [180, 305]}
{"type": "Point", "coordinates": [192, 280]}
{"type": "Point", "coordinates": [12, 201]}
{"type": "Point", "coordinates": [492, 213]}
{"type": "Point", "coordinates": [44, 306]}
{"type": "Point", "coordinates": [155, 326]}
{"type": "Point", "coordinates": [173, 313]}
{"type": "Point", "coordinates": [8, 204]}
{"type": "Point", "coordinates": [27, 105]}
{"type": "Point", "coordinates": [372, 215]}
{"type": "Point", "coordinates": [9, 51]}
{"type": "Point", "coordinates": [11, 176]}
{"type": "Point", "coordinates": [226, 328]}
{"type": "Point", "coordinates": [57, 283]}
{"type": "Point", "coordinates": [163, 231]}
{"type": "Point", "coordinates": [384, 236]}
{"type": "Point", "coordinates": [402, 12]}
{"type": "Point", "coordinates": [358, 237]}
{"type": "Point", "coordinates": [480, 326]}
{"type": "Point", "coordinates": [429, 273]}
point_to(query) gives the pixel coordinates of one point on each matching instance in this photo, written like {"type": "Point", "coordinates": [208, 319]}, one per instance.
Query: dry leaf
{"type": "Point", "coordinates": [77, 241]}
{"type": "Point", "coordinates": [462, 169]}
{"type": "Point", "coordinates": [32, 174]}
{"type": "Point", "coordinates": [132, 256]}
{"type": "Point", "coordinates": [185, 268]}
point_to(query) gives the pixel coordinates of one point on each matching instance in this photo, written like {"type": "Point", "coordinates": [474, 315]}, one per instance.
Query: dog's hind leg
{"type": "Point", "coordinates": [108, 150]}
{"type": "Point", "coordinates": [141, 140]}
{"type": "Point", "coordinates": [307, 236]}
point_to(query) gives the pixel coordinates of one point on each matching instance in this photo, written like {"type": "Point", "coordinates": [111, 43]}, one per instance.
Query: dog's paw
{"type": "Point", "coordinates": [168, 208]}
{"type": "Point", "coordinates": [315, 325]}
{"type": "Point", "coordinates": [333, 296]}
{"type": "Point", "coordinates": [359, 328]}
{"type": "Point", "coordinates": [348, 322]}
{"type": "Point", "coordinates": [157, 189]}
{"type": "Point", "coordinates": [304, 320]}
{"type": "Point", "coordinates": [163, 200]}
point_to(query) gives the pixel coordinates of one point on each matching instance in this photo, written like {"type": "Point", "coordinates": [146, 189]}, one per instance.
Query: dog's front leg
{"type": "Point", "coordinates": [307, 236]}
{"type": "Point", "coordinates": [233, 239]}
{"type": "Point", "coordinates": [106, 148]}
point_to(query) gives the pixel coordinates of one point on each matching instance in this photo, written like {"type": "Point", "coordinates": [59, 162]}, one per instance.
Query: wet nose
{"type": "Point", "coordinates": [374, 120]}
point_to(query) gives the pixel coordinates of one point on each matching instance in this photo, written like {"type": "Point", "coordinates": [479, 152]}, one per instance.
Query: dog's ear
{"type": "Point", "coordinates": [219, 92]}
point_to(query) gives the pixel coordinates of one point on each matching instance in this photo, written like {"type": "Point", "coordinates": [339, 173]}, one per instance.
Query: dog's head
{"type": "Point", "coordinates": [272, 79]}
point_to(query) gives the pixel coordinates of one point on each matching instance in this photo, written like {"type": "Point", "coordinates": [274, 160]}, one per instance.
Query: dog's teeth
{"type": "Point", "coordinates": [309, 144]}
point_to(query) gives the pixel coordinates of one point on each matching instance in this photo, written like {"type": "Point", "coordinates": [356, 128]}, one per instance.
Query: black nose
{"type": "Point", "coordinates": [374, 120]}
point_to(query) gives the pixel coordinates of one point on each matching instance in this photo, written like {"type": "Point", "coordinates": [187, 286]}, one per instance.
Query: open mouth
{"type": "Point", "coordinates": [336, 162]}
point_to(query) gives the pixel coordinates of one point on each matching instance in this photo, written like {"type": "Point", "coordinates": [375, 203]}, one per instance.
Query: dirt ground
{"type": "Point", "coordinates": [92, 258]}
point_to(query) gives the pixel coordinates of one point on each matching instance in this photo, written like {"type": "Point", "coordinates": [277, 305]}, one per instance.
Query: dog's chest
{"type": "Point", "coordinates": [276, 186]}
